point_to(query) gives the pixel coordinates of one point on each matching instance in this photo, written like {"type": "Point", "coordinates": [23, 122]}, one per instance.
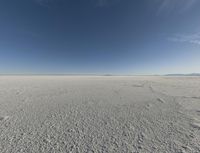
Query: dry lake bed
{"type": "Point", "coordinates": [97, 114]}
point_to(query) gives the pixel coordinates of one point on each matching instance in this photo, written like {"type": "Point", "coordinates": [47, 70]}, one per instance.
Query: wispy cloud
{"type": "Point", "coordinates": [192, 38]}
{"type": "Point", "coordinates": [168, 6]}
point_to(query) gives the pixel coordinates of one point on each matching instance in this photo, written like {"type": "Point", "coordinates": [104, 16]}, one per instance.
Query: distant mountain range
{"type": "Point", "coordinates": [191, 74]}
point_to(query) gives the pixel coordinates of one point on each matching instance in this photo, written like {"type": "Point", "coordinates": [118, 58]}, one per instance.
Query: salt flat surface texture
{"type": "Point", "coordinates": [99, 114]}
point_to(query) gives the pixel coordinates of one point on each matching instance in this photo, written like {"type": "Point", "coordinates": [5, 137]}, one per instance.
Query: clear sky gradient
{"type": "Point", "coordinates": [99, 36]}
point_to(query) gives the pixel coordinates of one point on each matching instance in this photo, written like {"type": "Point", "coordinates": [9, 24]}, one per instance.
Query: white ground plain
{"type": "Point", "coordinates": [99, 114]}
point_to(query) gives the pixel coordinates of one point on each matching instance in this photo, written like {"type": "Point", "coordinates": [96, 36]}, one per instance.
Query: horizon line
{"type": "Point", "coordinates": [93, 74]}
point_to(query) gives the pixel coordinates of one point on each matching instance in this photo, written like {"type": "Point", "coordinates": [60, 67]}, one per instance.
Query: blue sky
{"type": "Point", "coordinates": [100, 36]}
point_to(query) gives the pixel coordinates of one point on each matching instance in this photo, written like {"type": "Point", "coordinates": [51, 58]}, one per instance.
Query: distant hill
{"type": "Point", "coordinates": [191, 74]}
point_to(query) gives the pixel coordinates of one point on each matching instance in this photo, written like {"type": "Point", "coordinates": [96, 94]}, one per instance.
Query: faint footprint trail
{"type": "Point", "coordinates": [193, 97]}
{"type": "Point", "coordinates": [194, 123]}
{"type": "Point", "coordinates": [138, 85]}
{"type": "Point", "coordinates": [161, 100]}
{"type": "Point", "coordinates": [3, 118]}
{"type": "Point", "coordinates": [158, 95]}
{"type": "Point", "coordinates": [117, 92]}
